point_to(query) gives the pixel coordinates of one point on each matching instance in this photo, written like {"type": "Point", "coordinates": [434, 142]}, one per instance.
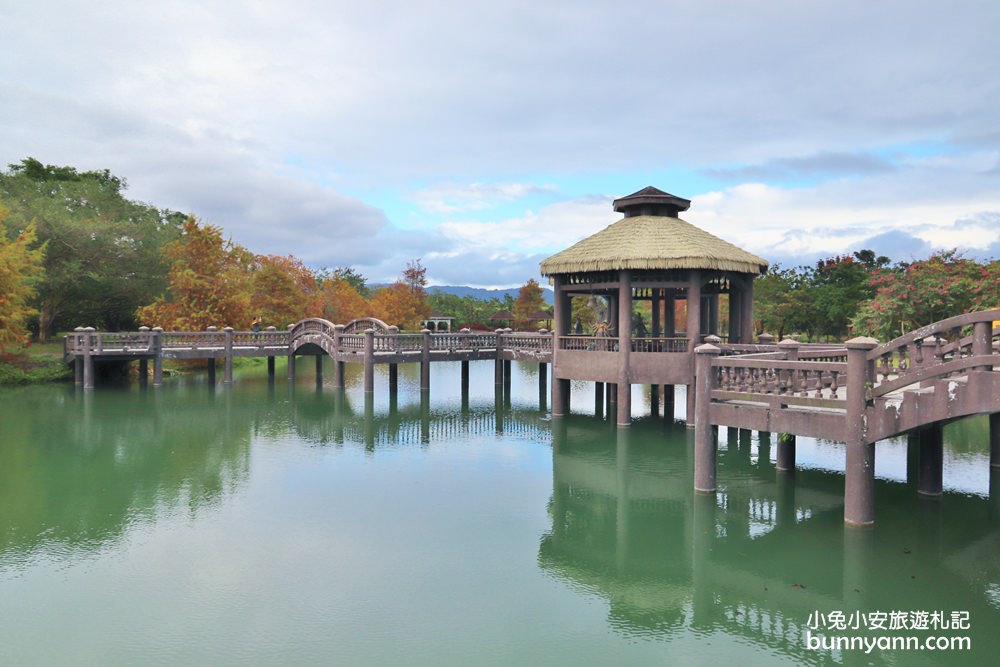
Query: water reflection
{"type": "Point", "coordinates": [755, 560]}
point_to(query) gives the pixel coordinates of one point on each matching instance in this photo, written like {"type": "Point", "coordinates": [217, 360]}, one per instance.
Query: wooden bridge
{"type": "Point", "coordinates": [857, 393]}
{"type": "Point", "coordinates": [365, 341]}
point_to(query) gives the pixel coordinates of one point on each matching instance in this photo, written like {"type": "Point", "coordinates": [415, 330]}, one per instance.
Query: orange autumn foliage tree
{"type": "Point", "coordinates": [284, 291]}
{"type": "Point", "coordinates": [342, 302]}
{"type": "Point", "coordinates": [404, 303]}
{"type": "Point", "coordinates": [20, 266]}
{"type": "Point", "coordinates": [209, 283]}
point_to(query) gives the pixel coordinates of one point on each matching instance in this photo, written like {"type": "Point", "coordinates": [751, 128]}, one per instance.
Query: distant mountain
{"type": "Point", "coordinates": [487, 294]}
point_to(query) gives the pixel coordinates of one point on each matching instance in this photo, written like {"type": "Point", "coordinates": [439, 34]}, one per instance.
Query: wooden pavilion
{"type": "Point", "coordinates": [651, 255]}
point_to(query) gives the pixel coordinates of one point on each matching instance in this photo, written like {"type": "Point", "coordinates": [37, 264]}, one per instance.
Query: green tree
{"type": "Point", "coordinates": [104, 252]}
{"type": "Point", "coordinates": [209, 283]}
{"type": "Point", "coordinates": [20, 267]}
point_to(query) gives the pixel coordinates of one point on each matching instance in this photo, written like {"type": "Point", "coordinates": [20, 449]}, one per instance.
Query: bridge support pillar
{"type": "Point", "coordinates": [157, 346]}
{"type": "Point", "coordinates": [930, 471]}
{"type": "Point", "coordinates": [143, 372]}
{"type": "Point", "coordinates": [369, 361]}
{"type": "Point", "coordinates": [270, 368]}
{"type": "Point", "coordinates": [995, 440]}
{"type": "Point", "coordinates": [785, 457]}
{"type": "Point", "coordinates": [859, 475]}
{"type": "Point", "coordinates": [599, 400]}
{"type": "Point", "coordinates": [319, 368]}
{"type": "Point", "coordinates": [78, 371]}
{"type": "Point", "coordinates": [393, 380]}
{"type": "Point", "coordinates": [211, 371]}
{"type": "Point", "coordinates": [88, 360]}
{"type": "Point", "coordinates": [560, 397]}
{"type": "Point", "coordinates": [705, 445]}
{"type": "Point", "coordinates": [465, 379]}
{"type": "Point", "coordinates": [228, 379]}
{"type": "Point", "coordinates": [425, 361]}
{"type": "Point", "coordinates": [291, 367]}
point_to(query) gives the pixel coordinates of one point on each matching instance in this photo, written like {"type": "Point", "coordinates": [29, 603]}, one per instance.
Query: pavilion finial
{"type": "Point", "coordinates": [651, 201]}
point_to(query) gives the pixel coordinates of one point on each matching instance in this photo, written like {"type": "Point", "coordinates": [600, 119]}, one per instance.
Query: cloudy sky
{"type": "Point", "coordinates": [483, 136]}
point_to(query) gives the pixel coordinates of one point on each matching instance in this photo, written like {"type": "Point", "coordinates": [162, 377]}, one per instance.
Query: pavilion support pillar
{"type": "Point", "coordinates": [995, 440]}
{"type": "Point", "coordinates": [859, 477]}
{"type": "Point", "coordinates": [599, 400]}
{"type": "Point", "coordinates": [930, 462]}
{"type": "Point", "coordinates": [735, 319]}
{"type": "Point", "coordinates": [228, 376]}
{"type": "Point", "coordinates": [157, 346]}
{"type": "Point", "coordinates": [693, 331]}
{"type": "Point", "coordinates": [669, 303]}
{"type": "Point", "coordinates": [624, 347]}
{"type": "Point", "coordinates": [746, 310]}
{"type": "Point", "coordinates": [656, 305]}
{"type": "Point", "coordinates": [425, 360]}
{"type": "Point", "coordinates": [668, 402]}
{"type": "Point", "coordinates": [785, 458]}
{"type": "Point", "coordinates": [654, 400]}
{"type": "Point", "coordinates": [543, 385]}
{"type": "Point", "coordinates": [713, 314]}
{"type": "Point", "coordinates": [611, 400]}
{"type": "Point", "coordinates": [369, 361]}
{"type": "Point", "coordinates": [705, 445]}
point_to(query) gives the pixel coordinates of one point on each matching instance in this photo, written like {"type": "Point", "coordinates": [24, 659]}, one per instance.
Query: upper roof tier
{"type": "Point", "coordinates": [651, 236]}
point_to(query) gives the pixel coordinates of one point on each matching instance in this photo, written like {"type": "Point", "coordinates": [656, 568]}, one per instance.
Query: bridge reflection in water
{"type": "Point", "coordinates": [769, 549]}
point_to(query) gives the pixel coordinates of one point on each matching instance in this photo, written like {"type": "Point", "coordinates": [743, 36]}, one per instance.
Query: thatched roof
{"type": "Point", "coordinates": [652, 242]}
{"type": "Point", "coordinates": [502, 315]}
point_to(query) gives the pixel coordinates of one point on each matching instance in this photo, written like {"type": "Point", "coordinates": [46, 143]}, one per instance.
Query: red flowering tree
{"type": "Point", "coordinates": [941, 286]}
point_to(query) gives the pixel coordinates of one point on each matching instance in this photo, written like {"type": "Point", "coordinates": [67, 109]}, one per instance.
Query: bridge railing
{"type": "Point", "coordinates": [778, 382]}
{"type": "Point", "coordinates": [352, 342]}
{"type": "Point", "coordinates": [526, 342]}
{"type": "Point", "coordinates": [261, 338]}
{"type": "Point", "coordinates": [936, 351]}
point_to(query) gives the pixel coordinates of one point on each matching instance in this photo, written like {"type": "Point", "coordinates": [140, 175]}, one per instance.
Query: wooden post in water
{"type": "Point", "coordinates": [425, 360]}
{"type": "Point", "coordinates": [498, 362]}
{"type": "Point", "coordinates": [995, 440]}
{"type": "Point", "coordinates": [157, 348]}
{"type": "Point", "coordinates": [543, 386]}
{"type": "Point", "coordinates": [930, 462]}
{"type": "Point", "coordinates": [705, 445]}
{"type": "Point", "coordinates": [88, 360]}
{"type": "Point", "coordinates": [668, 402]}
{"type": "Point", "coordinates": [338, 365]}
{"type": "Point", "coordinates": [654, 400]}
{"type": "Point", "coordinates": [228, 378]}
{"type": "Point", "coordinates": [785, 457]}
{"type": "Point", "coordinates": [211, 360]}
{"type": "Point", "coordinates": [599, 400]}
{"type": "Point", "coordinates": [859, 474]}
{"type": "Point", "coordinates": [291, 360]}
{"type": "Point", "coordinates": [270, 359]}
{"type": "Point", "coordinates": [369, 360]}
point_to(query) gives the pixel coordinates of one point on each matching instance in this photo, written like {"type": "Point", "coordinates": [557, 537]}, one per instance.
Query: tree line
{"type": "Point", "coordinates": [75, 251]}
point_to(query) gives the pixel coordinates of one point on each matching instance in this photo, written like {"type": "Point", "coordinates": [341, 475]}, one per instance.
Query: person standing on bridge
{"type": "Point", "coordinates": [255, 327]}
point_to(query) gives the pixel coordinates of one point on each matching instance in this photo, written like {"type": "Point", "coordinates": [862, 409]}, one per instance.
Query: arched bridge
{"type": "Point", "coordinates": [858, 393]}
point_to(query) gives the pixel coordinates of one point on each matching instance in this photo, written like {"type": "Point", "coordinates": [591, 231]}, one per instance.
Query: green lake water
{"type": "Point", "coordinates": [290, 524]}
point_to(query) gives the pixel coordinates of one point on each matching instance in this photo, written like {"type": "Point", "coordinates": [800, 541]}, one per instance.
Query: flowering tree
{"type": "Point", "coordinates": [943, 285]}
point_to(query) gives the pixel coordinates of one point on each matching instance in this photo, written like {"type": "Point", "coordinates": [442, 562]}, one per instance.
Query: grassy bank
{"type": "Point", "coordinates": [39, 363]}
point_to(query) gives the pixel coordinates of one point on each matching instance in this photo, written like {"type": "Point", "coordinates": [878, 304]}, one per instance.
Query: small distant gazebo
{"type": "Point", "coordinates": [543, 317]}
{"type": "Point", "coordinates": [652, 255]}
{"type": "Point", "coordinates": [438, 322]}
{"type": "Point", "coordinates": [503, 316]}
